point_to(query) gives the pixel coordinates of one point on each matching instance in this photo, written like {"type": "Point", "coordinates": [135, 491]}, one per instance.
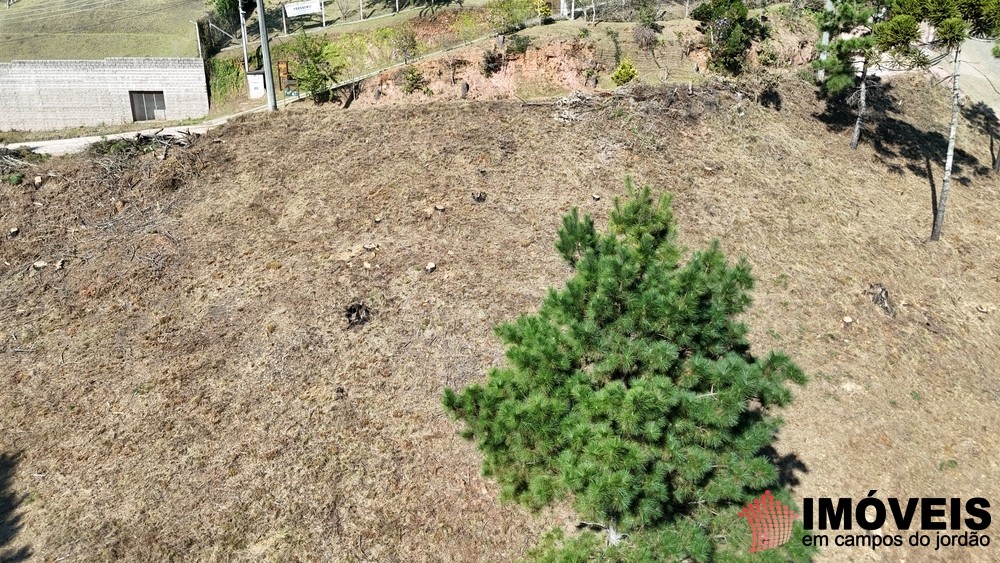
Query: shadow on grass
{"type": "Point", "coordinates": [10, 521]}
{"type": "Point", "coordinates": [789, 466]}
{"type": "Point", "coordinates": [899, 145]}
{"type": "Point", "coordinates": [984, 119]}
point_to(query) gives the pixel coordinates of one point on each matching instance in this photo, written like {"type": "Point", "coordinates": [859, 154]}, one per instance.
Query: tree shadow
{"type": "Point", "coordinates": [789, 466]}
{"type": "Point", "coordinates": [899, 145]}
{"type": "Point", "coordinates": [771, 98]}
{"type": "Point", "coordinates": [984, 119]}
{"type": "Point", "coordinates": [10, 521]}
{"type": "Point", "coordinates": [432, 6]}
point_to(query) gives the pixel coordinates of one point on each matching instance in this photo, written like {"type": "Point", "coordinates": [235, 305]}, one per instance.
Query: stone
{"type": "Point", "coordinates": [431, 266]}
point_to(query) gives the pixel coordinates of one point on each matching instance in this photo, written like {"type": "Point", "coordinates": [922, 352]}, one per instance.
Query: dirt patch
{"type": "Point", "coordinates": [188, 385]}
{"type": "Point", "coordinates": [553, 67]}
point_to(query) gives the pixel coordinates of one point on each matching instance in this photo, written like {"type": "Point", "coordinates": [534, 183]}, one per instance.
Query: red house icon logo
{"type": "Point", "coordinates": [770, 522]}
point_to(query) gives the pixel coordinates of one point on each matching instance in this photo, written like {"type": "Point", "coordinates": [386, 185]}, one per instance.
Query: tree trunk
{"type": "Point", "coordinates": [950, 160]}
{"type": "Point", "coordinates": [856, 138]}
{"type": "Point", "coordinates": [397, 6]}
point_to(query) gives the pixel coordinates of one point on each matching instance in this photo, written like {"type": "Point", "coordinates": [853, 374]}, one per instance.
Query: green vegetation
{"type": "Point", "coordinates": [225, 76]}
{"type": "Point", "coordinates": [518, 44]}
{"type": "Point", "coordinates": [624, 73]}
{"type": "Point", "coordinates": [14, 178]}
{"type": "Point", "coordinates": [869, 44]}
{"type": "Point", "coordinates": [505, 16]}
{"type": "Point", "coordinates": [729, 32]}
{"type": "Point", "coordinates": [315, 64]}
{"type": "Point", "coordinates": [414, 80]}
{"type": "Point", "coordinates": [492, 62]}
{"type": "Point", "coordinates": [952, 21]}
{"type": "Point", "coordinates": [630, 391]}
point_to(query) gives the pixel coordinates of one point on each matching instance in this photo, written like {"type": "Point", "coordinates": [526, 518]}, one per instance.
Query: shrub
{"type": "Point", "coordinates": [313, 64]}
{"type": "Point", "coordinates": [542, 8]}
{"type": "Point", "coordinates": [505, 16]}
{"type": "Point", "coordinates": [518, 44]}
{"type": "Point", "coordinates": [466, 26]}
{"type": "Point", "coordinates": [633, 391]}
{"type": "Point", "coordinates": [404, 43]}
{"type": "Point", "coordinates": [996, 50]}
{"type": "Point", "coordinates": [728, 31]}
{"type": "Point", "coordinates": [646, 39]}
{"type": "Point", "coordinates": [624, 74]}
{"type": "Point", "coordinates": [492, 62]}
{"type": "Point", "coordinates": [14, 178]}
{"type": "Point", "coordinates": [414, 80]}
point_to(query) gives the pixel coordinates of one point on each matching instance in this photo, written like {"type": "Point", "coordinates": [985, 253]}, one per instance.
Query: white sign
{"type": "Point", "coordinates": [294, 9]}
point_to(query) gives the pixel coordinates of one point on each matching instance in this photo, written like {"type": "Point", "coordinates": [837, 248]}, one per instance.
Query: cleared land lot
{"type": "Point", "coordinates": [186, 387]}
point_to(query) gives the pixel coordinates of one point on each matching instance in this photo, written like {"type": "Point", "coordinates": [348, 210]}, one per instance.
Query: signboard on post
{"type": "Point", "coordinates": [304, 8]}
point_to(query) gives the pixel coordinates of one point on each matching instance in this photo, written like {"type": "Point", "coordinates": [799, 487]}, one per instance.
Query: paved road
{"type": "Point", "coordinates": [979, 72]}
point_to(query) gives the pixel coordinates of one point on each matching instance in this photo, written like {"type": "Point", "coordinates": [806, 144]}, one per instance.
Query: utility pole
{"type": "Point", "coordinates": [243, 32]}
{"type": "Point", "coordinates": [265, 49]}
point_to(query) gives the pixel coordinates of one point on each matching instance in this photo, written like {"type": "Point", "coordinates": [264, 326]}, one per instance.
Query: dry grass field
{"type": "Point", "coordinates": [180, 382]}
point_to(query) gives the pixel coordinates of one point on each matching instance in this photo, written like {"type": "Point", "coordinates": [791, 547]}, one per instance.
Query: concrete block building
{"type": "Point", "coordinates": [57, 94]}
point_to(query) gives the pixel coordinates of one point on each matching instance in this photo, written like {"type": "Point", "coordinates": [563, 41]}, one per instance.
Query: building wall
{"type": "Point", "coordinates": [40, 95]}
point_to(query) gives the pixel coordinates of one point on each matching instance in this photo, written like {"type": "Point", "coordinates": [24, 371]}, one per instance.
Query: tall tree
{"type": "Point", "coordinates": [951, 21]}
{"type": "Point", "coordinates": [950, 33]}
{"type": "Point", "coordinates": [861, 39]}
{"type": "Point", "coordinates": [633, 390]}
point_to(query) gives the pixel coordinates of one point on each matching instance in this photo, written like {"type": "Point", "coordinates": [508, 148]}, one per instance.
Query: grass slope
{"type": "Point", "coordinates": [187, 387]}
{"type": "Point", "coordinates": [78, 29]}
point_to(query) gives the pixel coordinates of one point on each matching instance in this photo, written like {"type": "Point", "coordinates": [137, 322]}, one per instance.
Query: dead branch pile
{"type": "Point", "coordinates": [15, 160]}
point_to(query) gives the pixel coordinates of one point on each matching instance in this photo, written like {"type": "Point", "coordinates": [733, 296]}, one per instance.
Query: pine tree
{"type": "Point", "coordinates": [871, 43]}
{"type": "Point", "coordinates": [633, 391]}
{"type": "Point", "coordinates": [952, 20]}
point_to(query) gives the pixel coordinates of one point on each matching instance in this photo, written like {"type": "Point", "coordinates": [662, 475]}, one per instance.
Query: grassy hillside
{"type": "Point", "coordinates": [187, 386]}
{"type": "Point", "coordinates": [78, 29]}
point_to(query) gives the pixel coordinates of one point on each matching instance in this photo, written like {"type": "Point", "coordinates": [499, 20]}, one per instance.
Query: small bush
{"type": "Point", "coordinates": [466, 26]}
{"type": "Point", "coordinates": [624, 74]}
{"type": "Point", "coordinates": [996, 50]}
{"type": "Point", "coordinates": [646, 39]}
{"type": "Point", "coordinates": [405, 43]}
{"type": "Point", "coordinates": [314, 66]}
{"type": "Point", "coordinates": [14, 178]}
{"type": "Point", "coordinates": [492, 62]}
{"type": "Point", "coordinates": [543, 10]}
{"type": "Point", "coordinates": [505, 16]}
{"type": "Point", "coordinates": [583, 33]}
{"type": "Point", "coordinates": [645, 14]}
{"type": "Point", "coordinates": [414, 80]}
{"type": "Point", "coordinates": [729, 32]}
{"type": "Point", "coordinates": [768, 55]}
{"type": "Point", "coordinates": [518, 44]}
